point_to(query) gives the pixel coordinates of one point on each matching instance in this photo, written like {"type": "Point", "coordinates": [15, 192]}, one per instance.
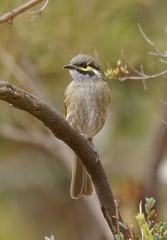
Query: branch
{"type": "Point", "coordinates": [141, 75]}
{"type": "Point", "coordinates": [40, 10]}
{"type": "Point", "coordinates": [120, 69]}
{"type": "Point", "coordinates": [157, 51]}
{"type": "Point", "coordinates": [62, 130]}
{"type": "Point", "coordinates": [10, 15]}
{"type": "Point", "coordinates": [121, 72]}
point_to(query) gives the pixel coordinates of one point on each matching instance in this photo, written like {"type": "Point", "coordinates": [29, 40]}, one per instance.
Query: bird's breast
{"type": "Point", "coordinates": [86, 105]}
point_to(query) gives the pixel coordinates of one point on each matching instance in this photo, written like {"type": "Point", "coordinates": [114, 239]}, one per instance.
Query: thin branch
{"type": "Point", "coordinates": [144, 81]}
{"type": "Point", "coordinates": [117, 215]}
{"type": "Point", "coordinates": [163, 61]}
{"type": "Point", "coordinates": [141, 212]}
{"type": "Point", "coordinates": [123, 64]}
{"type": "Point", "coordinates": [7, 17]}
{"type": "Point", "coordinates": [145, 77]}
{"type": "Point", "coordinates": [161, 120]}
{"type": "Point", "coordinates": [62, 130]}
{"type": "Point", "coordinates": [144, 35]}
{"type": "Point", "coordinates": [141, 75]}
{"type": "Point", "coordinates": [130, 65]}
{"type": "Point", "coordinates": [41, 9]}
{"type": "Point", "coordinates": [158, 52]}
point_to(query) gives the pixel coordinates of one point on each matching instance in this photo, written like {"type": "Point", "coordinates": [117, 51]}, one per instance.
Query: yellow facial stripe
{"type": "Point", "coordinates": [87, 69]}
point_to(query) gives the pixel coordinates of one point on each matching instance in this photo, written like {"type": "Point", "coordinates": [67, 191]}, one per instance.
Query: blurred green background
{"type": "Point", "coordinates": [34, 167]}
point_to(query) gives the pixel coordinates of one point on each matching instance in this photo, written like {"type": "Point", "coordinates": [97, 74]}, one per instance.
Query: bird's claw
{"type": "Point", "coordinates": [93, 147]}
{"type": "Point", "coordinates": [97, 156]}
{"type": "Point", "coordinates": [95, 150]}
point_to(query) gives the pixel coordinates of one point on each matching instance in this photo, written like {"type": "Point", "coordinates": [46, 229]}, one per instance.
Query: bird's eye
{"type": "Point", "coordinates": [84, 65]}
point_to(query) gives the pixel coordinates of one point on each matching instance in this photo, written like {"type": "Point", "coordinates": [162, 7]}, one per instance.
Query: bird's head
{"type": "Point", "coordinates": [85, 67]}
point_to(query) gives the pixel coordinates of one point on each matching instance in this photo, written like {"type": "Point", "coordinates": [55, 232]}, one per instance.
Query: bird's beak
{"type": "Point", "coordinates": [70, 66]}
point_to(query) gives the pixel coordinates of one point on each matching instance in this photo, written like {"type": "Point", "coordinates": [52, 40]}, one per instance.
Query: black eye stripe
{"type": "Point", "coordinates": [93, 66]}
{"type": "Point", "coordinates": [85, 65]}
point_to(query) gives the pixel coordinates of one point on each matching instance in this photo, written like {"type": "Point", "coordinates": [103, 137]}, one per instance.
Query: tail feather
{"type": "Point", "coordinates": [81, 183]}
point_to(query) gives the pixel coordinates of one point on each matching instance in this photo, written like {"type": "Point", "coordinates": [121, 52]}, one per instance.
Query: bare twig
{"type": "Point", "coordinates": [8, 17]}
{"type": "Point", "coordinates": [161, 120]}
{"type": "Point", "coordinates": [62, 130]}
{"type": "Point", "coordinates": [141, 212]}
{"type": "Point", "coordinates": [130, 65]}
{"type": "Point", "coordinates": [117, 216]}
{"type": "Point", "coordinates": [140, 74]}
{"type": "Point", "coordinates": [144, 82]}
{"type": "Point", "coordinates": [144, 35]}
{"type": "Point", "coordinates": [121, 72]}
{"type": "Point", "coordinates": [41, 9]}
{"type": "Point", "coordinates": [163, 61]}
{"type": "Point", "coordinates": [158, 52]}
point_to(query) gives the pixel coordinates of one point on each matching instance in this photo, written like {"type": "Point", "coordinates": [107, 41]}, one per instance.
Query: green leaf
{"type": "Point", "coordinates": [150, 201]}
{"type": "Point", "coordinates": [117, 237]}
{"type": "Point", "coordinates": [147, 208]}
{"type": "Point", "coordinates": [151, 214]}
{"type": "Point", "coordinates": [144, 227]}
{"type": "Point", "coordinates": [138, 238]}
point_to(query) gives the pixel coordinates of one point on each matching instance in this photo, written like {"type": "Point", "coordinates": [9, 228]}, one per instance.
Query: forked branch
{"type": "Point", "coordinates": [121, 72]}
{"type": "Point", "coordinates": [125, 71]}
{"type": "Point", "coordinates": [8, 17]}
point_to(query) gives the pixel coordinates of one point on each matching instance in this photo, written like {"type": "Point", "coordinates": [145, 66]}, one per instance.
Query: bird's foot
{"type": "Point", "coordinates": [93, 147]}
{"type": "Point", "coordinates": [95, 150]}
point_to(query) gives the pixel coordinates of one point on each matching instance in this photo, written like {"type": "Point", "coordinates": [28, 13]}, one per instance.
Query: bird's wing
{"type": "Point", "coordinates": [65, 105]}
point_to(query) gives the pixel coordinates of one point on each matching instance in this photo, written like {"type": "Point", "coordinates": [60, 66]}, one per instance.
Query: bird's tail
{"type": "Point", "coordinates": [81, 183]}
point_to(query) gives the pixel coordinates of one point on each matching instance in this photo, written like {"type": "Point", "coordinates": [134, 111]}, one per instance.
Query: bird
{"type": "Point", "coordinates": [86, 100]}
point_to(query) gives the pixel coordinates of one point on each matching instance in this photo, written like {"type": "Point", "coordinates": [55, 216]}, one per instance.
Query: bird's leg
{"type": "Point", "coordinates": [94, 149]}
{"type": "Point", "coordinates": [92, 146]}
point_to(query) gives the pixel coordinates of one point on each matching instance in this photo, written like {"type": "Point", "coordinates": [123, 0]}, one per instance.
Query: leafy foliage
{"type": "Point", "coordinates": [149, 227]}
